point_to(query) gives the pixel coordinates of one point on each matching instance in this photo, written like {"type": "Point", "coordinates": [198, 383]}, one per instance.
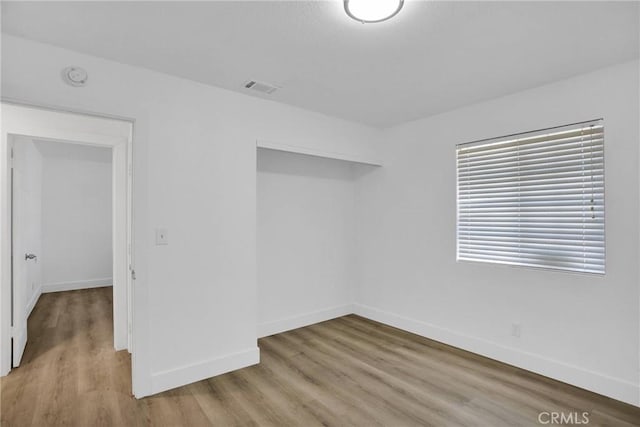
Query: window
{"type": "Point", "coordinates": [534, 199]}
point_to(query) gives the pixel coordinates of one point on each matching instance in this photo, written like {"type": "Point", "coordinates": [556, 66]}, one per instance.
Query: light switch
{"type": "Point", "coordinates": [162, 236]}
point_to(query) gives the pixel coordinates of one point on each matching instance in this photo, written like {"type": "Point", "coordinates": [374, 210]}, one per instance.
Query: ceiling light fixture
{"type": "Point", "coordinates": [371, 11]}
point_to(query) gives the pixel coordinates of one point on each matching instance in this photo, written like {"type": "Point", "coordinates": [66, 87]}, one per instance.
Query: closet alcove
{"type": "Point", "coordinates": [306, 234]}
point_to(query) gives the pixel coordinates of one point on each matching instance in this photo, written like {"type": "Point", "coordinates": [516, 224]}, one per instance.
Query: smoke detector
{"type": "Point", "coordinates": [260, 87]}
{"type": "Point", "coordinates": [75, 76]}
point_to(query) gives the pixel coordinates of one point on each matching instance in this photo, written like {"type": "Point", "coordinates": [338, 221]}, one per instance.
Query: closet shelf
{"type": "Point", "coordinates": [347, 157]}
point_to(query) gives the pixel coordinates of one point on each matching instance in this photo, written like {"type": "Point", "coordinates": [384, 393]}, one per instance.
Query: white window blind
{"type": "Point", "coordinates": [534, 199]}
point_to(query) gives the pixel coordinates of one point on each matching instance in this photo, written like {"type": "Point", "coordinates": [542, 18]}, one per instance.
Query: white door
{"type": "Point", "coordinates": [26, 238]}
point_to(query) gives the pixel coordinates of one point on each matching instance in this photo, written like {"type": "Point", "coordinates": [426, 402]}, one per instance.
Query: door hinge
{"type": "Point", "coordinates": [11, 159]}
{"type": "Point", "coordinates": [133, 274]}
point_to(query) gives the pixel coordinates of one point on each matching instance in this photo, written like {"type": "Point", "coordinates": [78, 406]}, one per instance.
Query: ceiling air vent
{"type": "Point", "coordinates": [260, 87]}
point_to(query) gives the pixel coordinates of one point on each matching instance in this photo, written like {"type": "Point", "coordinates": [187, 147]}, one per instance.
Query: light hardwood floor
{"type": "Point", "coordinates": [344, 372]}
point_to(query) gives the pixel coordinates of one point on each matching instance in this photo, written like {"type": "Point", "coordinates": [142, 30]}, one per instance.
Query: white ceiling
{"type": "Point", "coordinates": [432, 57]}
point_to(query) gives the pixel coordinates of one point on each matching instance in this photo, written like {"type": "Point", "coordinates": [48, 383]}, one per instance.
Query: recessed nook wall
{"type": "Point", "coordinates": [306, 234]}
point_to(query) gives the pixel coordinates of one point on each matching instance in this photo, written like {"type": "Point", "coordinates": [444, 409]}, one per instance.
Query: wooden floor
{"type": "Point", "coordinates": [348, 371]}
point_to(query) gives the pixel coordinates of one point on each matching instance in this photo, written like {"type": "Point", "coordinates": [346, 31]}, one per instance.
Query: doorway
{"type": "Point", "coordinates": [54, 127]}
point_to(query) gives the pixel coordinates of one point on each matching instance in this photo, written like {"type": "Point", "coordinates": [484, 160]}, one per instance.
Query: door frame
{"type": "Point", "coordinates": [117, 134]}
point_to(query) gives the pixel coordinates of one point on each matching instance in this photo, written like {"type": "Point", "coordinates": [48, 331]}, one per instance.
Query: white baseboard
{"type": "Point", "coordinates": [275, 327]}
{"type": "Point", "coordinates": [166, 380]}
{"type": "Point", "coordinates": [615, 388]}
{"type": "Point", "coordinates": [34, 300]}
{"type": "Point", "coordinates": [75, 285]}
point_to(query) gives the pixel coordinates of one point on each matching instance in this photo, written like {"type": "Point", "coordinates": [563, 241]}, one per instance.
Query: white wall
{"type": "Point", "coordinates": [306, 240]}
{"type": "Point", "coordinates": [582, 329]}
{"type": "Point", "coordinates": [76, 216]}
{"type": "Point", "coordinates": [195, 175]}
{"type": "Point", "coordinates": [28, 168]}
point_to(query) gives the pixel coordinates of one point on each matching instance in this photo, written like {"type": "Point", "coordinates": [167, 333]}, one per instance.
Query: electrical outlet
{"type": "Point", "coordinates": [162, 236]}
{"type": "Point", "coordinates": [516, 330]}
